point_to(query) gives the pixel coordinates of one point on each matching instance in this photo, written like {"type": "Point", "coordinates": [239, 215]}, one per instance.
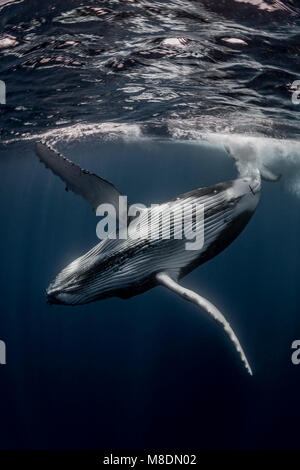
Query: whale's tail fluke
{"type": "Point", "coordinates": [248, 167]}
{"type": "Point", "coordinates": [268, 175]}
{"type": "Point", "coordinates": [165, 280]}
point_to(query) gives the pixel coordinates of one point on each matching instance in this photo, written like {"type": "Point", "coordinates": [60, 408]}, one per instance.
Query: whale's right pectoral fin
{"type": "Point", "coordinates": [165, 280]}
{"type": "Point", "coordinates": [91, 187]}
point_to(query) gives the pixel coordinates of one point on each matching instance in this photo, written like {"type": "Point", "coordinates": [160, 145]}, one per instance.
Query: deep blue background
{"type": "Point", "coordinates": [152, 371]}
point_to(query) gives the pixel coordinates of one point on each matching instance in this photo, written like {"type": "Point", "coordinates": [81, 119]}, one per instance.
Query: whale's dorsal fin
{"type": "Point", "coordinates": [92, 188]}
{"type": "Point", "coordinates": [165, 280]}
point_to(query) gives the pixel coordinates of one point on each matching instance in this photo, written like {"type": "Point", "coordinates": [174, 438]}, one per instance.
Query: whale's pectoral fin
{"type": "Point", "coordinates": [91, 187]}
{"type": "Point", "coordinates": [165, 280]}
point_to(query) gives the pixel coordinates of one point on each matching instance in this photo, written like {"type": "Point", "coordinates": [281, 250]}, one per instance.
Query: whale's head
{"type": "Point", "coordinates": [68, 288]}
{"type": "Point", "coordinates": [83, 281]}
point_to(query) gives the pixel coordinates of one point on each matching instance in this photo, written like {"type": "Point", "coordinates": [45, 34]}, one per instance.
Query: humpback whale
{"type": "Point", "coordinates": [127, 267]}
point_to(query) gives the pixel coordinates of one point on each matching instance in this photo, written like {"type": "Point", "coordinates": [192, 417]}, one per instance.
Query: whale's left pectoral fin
{"type": "Point", "coordinates": [92, 188]}
{"type": "Point", "coordinates": [165, 280]}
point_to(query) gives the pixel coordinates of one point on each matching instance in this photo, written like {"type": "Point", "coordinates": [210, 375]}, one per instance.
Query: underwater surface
{"type": "Point", "coordinates": [150, 95]}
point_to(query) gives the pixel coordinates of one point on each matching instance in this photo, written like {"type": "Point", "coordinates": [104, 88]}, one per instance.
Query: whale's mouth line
{"type": "Point", "coordinates": [57, 298]}
{"type": "Point", "coordinates": [54, 296]}
{"type": "Point", "coordinates": [52, 300]}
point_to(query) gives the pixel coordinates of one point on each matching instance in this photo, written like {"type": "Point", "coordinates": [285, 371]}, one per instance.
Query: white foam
{"type": "Point", "coordinates": [70, 133]}
{"type": "Point", "coordinates": [250, 151]}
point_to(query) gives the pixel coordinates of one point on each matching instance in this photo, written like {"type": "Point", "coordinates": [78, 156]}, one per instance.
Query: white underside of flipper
{"type": "Point", "coordinates": [165, 280]}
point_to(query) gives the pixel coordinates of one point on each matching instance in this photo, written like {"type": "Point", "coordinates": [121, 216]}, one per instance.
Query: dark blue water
{"type": "Point", "coordinates": [153, 118]}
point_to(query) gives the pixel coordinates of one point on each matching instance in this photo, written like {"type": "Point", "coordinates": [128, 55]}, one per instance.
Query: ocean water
{"type": "Point", "coordinates": [151, 96]}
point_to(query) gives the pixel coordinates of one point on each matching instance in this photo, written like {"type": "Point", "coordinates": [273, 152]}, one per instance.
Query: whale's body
{"type": "Point", "coordinates": [127, 267]}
